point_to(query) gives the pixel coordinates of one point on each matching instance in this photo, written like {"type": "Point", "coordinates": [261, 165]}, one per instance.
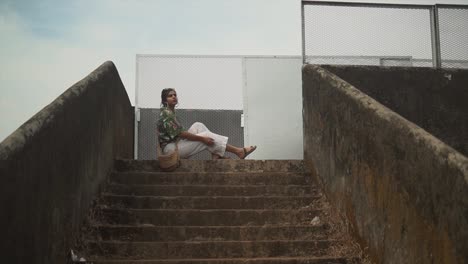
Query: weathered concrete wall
{"type": "Point", "coordinates": [403, 190]}
{"type": "Point", "coordinates": [54, 164]}
{"type": "Point", "coordinates": [435, 100]}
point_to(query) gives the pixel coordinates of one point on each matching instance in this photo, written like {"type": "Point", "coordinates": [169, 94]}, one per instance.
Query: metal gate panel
{"type": "Point", "coordinates": [273, 107]}
{"type": "Point", "coordinates": [355, 33]}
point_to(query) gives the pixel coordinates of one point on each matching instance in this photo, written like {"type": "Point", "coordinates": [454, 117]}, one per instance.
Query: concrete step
{"type": "Point", "coordinates": [206, 233]}
{"type": "Point", "coordinates": [212, 190]}
{"type": "Point", "coordinates": [226, 212]}
{"type": "Point", "coordinates": [211, 249]}
{"type": "Point", "coordinates": [204, 202]}
{"type": "Point", "coordinates": [215, 165]}
{"type": "Point", "coordinates": [212, 178]}
{"type": "Point", "coordinates": [197, 217]}
{"type": "Point", "coordinates": [280, 260]}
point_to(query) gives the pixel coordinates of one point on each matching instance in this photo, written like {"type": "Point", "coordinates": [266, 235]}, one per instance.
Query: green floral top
{"type": "Point", "coordinates": [168, 126]}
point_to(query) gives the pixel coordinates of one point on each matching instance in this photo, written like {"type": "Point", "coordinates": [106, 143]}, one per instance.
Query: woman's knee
{"type": "Point", "coordinates": [189, 148]}
{"type": "Point", "coordinates": [199, 124]}
{"type": "Point", "coordinates": [198, 127]}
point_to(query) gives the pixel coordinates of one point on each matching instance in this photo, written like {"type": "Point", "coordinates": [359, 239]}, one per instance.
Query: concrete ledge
{"type": "Point", "coordinates": [402, 189]}
{"type": "Point", "coordinates": [52, 166]}
{"type": "Point", "coordinates": [227, 165]}
{"type": "Point", "coordinates": [433, 99]}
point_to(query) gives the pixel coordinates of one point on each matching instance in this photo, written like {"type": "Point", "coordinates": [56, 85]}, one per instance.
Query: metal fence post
{"type": "Point", "coordinates": [137, 110]}
{"type": "Point", "coordinates": [303, 34]}
{"type": "Point", "coordinates": [435, 38]}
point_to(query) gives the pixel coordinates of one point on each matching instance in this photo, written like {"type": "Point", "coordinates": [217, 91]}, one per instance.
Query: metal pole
{"type": "Point", "coordinates": [435, 38]}
{"type": "Point", "coordinates": [362, 4]}
{"type": "Point", "coordinates": [137, 112]}
{"type": "Point", "coordinates": [245, 112]}
{"type": "Point", "coordinates": [303, 34]}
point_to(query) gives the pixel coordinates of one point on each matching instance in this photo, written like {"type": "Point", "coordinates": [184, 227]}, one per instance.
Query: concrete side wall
{"type": "Point", "coordinates": [54, 164]}
{"type": "Point", "coordinates": [432, 99]}
{"type": "Point", "coordinates": [402, 190]}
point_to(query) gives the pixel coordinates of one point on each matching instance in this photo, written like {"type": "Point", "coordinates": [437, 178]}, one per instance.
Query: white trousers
{"type": "Point", "coordinates": [188, 148]}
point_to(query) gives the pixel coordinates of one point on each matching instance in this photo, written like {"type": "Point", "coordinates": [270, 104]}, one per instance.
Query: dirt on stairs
{"type": "Point", "coordinates": [222, 211]}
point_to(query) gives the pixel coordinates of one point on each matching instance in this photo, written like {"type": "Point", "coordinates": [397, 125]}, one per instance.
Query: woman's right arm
{"type": "Point", "coordinates": [187, 135]}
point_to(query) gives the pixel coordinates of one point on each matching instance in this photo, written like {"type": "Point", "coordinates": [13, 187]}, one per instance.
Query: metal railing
{"type": "Point", "coordinates": [385, 34]}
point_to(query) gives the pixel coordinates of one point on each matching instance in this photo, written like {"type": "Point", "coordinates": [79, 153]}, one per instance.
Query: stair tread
{"type": "Point", "coordinates": [211, 197]}
{"type": "Point", "coordinates": [208, 202]}
{"type": "Point", "coordinates": [189, 190]}
{"type": "Point", "coordinates": [209, 233]}
{"type": "Point", "coordinates": [243, 260]}
{"type": "Point", "coordinates": [213, 210]}
{"type": "Point", "coordinates": [210, 185]}
{"type": "Point", "coordinates": [219, 217]}
{"type": "Point", "coordinates": [196, 226]}
{"type": "Point", "coordinates": [213, 249]}
{"type": "Point", "coordinates": [214, 173]}
{"type": "Point", "coordinates": [209, 242]}
{"type": "Point", "coordinates": [236, 178]}
{"type": "Point", "coordinates": [213, 165]}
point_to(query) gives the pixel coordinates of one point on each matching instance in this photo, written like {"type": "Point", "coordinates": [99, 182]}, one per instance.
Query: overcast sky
{"type": "Point", "coordinates": [48, 45]}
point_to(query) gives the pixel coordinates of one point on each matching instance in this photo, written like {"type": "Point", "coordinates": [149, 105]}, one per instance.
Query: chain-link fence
{"type": "Point", "coordinates": [385, 34]}
{"type": "Point", "coordinates": [453, 28]}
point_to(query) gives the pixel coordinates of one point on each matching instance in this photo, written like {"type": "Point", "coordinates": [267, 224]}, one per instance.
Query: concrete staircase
{"type": "Point", "coordinates": [225, 211]}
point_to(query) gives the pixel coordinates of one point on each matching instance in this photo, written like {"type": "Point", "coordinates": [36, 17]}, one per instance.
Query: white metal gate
{"type": "Point", "coordinates": [273, 107]}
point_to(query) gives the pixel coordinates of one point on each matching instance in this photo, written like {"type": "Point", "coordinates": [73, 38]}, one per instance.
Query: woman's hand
{"type": "Point", "coordinates": [208, 141]}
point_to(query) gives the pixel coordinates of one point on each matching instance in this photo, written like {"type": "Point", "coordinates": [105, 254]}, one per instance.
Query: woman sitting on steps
{"type": "Point", "coordinates": [197, 138]}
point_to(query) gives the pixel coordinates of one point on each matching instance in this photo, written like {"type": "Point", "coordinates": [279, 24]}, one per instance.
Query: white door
{"type": "Point", "coordinates": [273, 107]}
